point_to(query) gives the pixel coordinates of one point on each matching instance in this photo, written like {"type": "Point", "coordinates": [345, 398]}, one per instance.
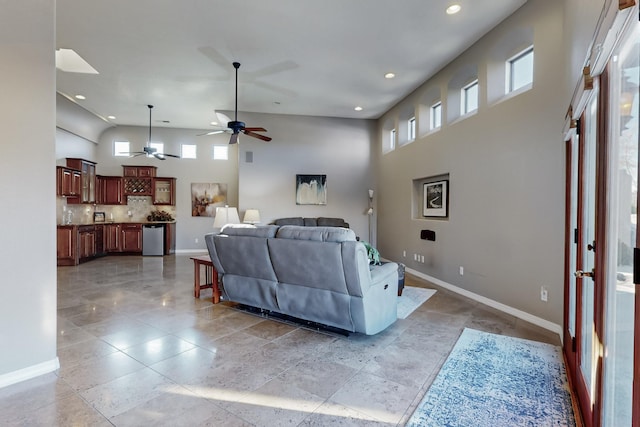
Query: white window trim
{"type": "Point", "coordinates": [411, 129]}
{"type": "Point", "coordinates": [213, 151]}
{"type": "Point", "coordinates": [508, 82]}
{"type": "Point", "coordinates": [432, 116]}
{"type": "Point", "coordinates": [463, 98]}
{"type": "Point", "coordinates": [115, 154]}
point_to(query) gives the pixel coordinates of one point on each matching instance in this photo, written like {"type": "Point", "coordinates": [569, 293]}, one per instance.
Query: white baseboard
{"type": "Point", "coordinates": [553, 327]}
{"type": "Point", "coordinates": [30, 372]}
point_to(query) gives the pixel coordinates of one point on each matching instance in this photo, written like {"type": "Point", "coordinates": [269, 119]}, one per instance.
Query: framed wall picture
{"type": "Point", "coordinates": [436, 199]}
{"type": "Point", "coordinates": [311, 189]}
{"type": "Point", "coordinates": [206, 197]}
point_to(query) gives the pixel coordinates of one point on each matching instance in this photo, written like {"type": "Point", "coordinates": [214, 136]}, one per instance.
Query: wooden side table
{"type": "Point", "coordinates": [210, 277]}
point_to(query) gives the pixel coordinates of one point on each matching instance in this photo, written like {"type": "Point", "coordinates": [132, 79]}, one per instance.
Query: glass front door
{"type": "Point", "coordinates": [620, 311]}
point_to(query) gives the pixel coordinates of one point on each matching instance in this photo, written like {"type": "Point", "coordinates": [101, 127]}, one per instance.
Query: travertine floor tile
{"type": "Point", "coordinates": [136, 348]}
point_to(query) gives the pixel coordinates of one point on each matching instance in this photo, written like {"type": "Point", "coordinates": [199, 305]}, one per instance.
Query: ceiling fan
{"type": "Point", "coordinates": [151, 151]}
{"type": "Point", "coordinates": [234, 127]}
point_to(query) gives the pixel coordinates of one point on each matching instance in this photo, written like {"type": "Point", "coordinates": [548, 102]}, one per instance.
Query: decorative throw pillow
{"type": "Point", "coordinates": [372, 253]}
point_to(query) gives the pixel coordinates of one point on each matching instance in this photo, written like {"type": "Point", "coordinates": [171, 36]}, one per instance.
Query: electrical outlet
{"type": "Point", "coordinates": [404, 254]}
{"type": "Point", "coordinates": [544, 294]}
{"type": "Point", "coordinates": [461, 270]}
{"type": "Point", "coordinates": [422, 259]}
{"type": "Point", "coordinates": [196, 239]}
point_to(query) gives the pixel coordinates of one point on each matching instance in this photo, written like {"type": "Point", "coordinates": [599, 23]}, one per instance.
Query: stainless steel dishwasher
{"type": "Point", "coordinates": [153, 239]}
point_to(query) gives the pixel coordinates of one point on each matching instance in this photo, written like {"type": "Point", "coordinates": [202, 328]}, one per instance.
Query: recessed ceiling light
{"type": "Point", "coordinates": [111, 117]}
{"type": "Point", "coordinates": [454, 8]}
{"type": "Point", "coordinates": [389, 76]}
{"type": "Point", "coordinates": [81, 97]}
{"type": "Point", "coordinates": [358, 108]}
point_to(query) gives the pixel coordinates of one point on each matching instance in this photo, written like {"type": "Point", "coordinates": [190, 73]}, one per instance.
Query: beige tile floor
{"type": "Point", "coordinates": [136, 349]}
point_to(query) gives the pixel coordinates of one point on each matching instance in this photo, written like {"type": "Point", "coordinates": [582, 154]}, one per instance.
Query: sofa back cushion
{"type": "Point", "coordinates": [331, 222]}
{"type": "Point", "coordinates": [249, 230]}
{"type": "Point", "coordinates": [244, 255]}
{"type": "Point", "coordinates": [289, 221]}
{"type": "Point", "coordinates": [319, 234]}
{"type": "Point", "coordinates": [310, 263]}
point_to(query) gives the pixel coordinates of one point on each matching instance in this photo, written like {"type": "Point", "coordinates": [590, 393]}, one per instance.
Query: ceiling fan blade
{"type": "Point", "coordinates": [159, 156]}
{"type": "Point", "coordinates": [257, 135]}
{"type": "Point", "coordinates": [213, 132]}
{"type": "Point", "coordinates": [223, 119]}
{"type": "Point", "coordinates": [256, 129]}
{"type": "Point", "coordinates": [234, 138]}
{"type": "Point", "coordinates": [171, 155]}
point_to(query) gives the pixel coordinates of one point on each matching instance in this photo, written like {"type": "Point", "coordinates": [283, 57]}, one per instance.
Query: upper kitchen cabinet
{"type": "Point", "coordinates": [164, 191]}
{"type": "Point", "coordinates": [110, 190]}
{"type": "Point", "coordinates": [87, 180]}
{"type": "Point", "coordinates": [139, 171]}
{"type": "Point", "coordinates": [68, 182]}
{"type": "Point", "coordinates": [138, 180]}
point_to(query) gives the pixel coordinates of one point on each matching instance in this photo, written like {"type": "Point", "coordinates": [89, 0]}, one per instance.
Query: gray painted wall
{"type": "Point", "coordinates": [339, 148]}
{"type": "Point", "coordinates": [27, 253]}
{"type": "Point", "coordinates": [506, 166]}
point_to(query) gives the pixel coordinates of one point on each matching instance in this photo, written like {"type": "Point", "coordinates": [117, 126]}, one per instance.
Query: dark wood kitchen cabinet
{"type": "Point", "coordinates": [68, 182]}
{"type": "Point", "coordinates": [112, 238]}
{"type": "Point", "coordinates": [123, 238]}
{"type": "Point", "coordinates": [87, 180]}
{"type": "Point", "coordinates": [66, 238]}
{"type": "Point", "coordinates": [110, 190]}
{"type": "Point", "coordinates": [86, 242]}
{"type": "Point", "coordinates": [131, 238]}
{"type": "Point", "coordinates": [170, 238]}
{"type": "Point", "coordinates": [164, 191]}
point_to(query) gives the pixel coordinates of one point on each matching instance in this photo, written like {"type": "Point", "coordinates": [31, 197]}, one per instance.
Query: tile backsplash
{"type": "Point", "coordinates": [136, 210]}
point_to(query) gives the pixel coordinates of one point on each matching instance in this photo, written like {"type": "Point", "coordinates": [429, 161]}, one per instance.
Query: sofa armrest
{"type": "Point", "coordinates": [387, 272]}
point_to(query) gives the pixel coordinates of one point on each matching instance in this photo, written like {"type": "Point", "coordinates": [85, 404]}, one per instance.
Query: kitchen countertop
{"type": "Point", "coordinates": [79, 224]}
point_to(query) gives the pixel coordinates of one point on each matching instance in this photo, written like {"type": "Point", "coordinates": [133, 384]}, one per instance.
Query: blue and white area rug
{"type": "Point", "coordinates": [493, 380]}
{"type": "Point", "coordinates": [412, 297]}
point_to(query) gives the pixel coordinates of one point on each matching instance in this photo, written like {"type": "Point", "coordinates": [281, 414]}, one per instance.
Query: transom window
{"type": "Point", "coordinates": [188, 151]}
{"type": "Point", "coordinates": [435, 116]}
{"type": "Point", "coordinates": [220, 152]}
{"type": "Point", "coordinates": [411, 130]}
{"type": "Point", "coordinates": [520, 70]}
{"type": "Point", "coordinates": [470, 97]}
{"type": "Point", "coordinates": [121, 148]}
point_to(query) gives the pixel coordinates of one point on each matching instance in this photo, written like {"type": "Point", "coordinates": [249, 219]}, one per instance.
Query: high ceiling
{"type": "Point", "coordinates": [318, 58]}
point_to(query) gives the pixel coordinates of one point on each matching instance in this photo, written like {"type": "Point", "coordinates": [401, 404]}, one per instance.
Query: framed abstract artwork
{"type": "Point", "coordinates": [311, 189]}
{"type": "Point", "coordinates": [436, 199]}
{"type": "Point", "coordinates": [206, 197]}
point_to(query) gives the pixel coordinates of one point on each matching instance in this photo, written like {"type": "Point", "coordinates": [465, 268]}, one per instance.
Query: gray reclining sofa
{"type": "Point", "coordinates": [319, 274]}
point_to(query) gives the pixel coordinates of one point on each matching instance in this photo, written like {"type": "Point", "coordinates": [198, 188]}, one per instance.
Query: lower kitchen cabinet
{"type": "Point", "coordinates": [131, 238]}
{"type": "Point", "coordinates": [170, 238]}
{"type": "Point", "coordinates": [81, 243]}
{"type": "Point", "coordinates": [67, 237]}
{"type": "Point", "coordinates": [86, 242]}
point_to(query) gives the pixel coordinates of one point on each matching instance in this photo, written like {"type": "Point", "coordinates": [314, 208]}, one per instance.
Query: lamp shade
{"type": "Point", "coordinates": [226, 215]}
{"type": "Point", "coordinates": [252, 216]}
